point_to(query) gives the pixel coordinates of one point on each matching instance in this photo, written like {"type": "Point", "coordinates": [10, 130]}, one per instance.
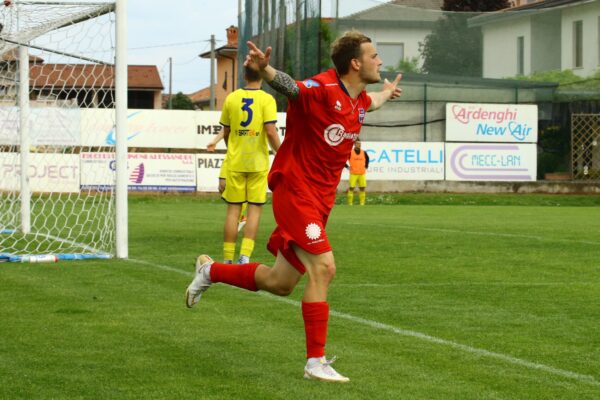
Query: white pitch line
{"type": "Point", "coordinates": [67, 241]}
{"type": "Point", "coordinates": [465, 284]}
{"type": "Point", "coordinates": [414, 334]}
{"type": "Point", "coordinates": [478, 233]}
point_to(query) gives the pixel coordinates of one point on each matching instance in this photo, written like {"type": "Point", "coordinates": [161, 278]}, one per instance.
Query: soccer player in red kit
{"type": "Point", "coordinates": [324, 117]}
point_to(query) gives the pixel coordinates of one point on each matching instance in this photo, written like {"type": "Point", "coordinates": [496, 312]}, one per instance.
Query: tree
{"type": "Point", "coordinates": [454, 48]}
{"type": "Point", "coordinates": [475, 5]}
{"type": "Point", "coordinates": [407, 65]}
{"type": "Point", "coordinates": [181, 102]}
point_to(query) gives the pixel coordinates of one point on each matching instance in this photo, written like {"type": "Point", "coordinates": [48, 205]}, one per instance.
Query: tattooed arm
{"type": "Point", "coordinates": [280, 81]}
{"type": "Point", "coordinates": [285, 84]}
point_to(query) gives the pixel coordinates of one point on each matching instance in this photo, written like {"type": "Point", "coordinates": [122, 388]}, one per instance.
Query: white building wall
{"type": "Point", "coordinates": [500, 47]}
{"type": "Point", "coordinates": [410, 37]}
{"type": "Point", "coordinates": [589, 14]}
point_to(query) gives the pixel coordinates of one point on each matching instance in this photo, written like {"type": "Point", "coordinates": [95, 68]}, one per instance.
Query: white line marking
{"type": "Point", "coordinates": [418, 335]}
{"type": "Point", "coordinates": [67, 241]}
{"type": "Point", "coordinates": [464, 284]}
{"type": "Point", "coordinates": [493, 234]}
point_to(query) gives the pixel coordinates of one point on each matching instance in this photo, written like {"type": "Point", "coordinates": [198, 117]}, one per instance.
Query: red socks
{"type": "Point", "coordinates": [315, 317]}
{"type": "Point", "coordinates": [240, 275]}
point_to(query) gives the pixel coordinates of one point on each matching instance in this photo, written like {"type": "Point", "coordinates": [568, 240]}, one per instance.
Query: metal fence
{"type": "Point", "coordinates": [585, 134]}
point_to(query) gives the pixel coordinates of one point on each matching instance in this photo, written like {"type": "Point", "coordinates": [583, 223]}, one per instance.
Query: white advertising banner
{"type": "Point", "coordinates": [394, 161]}
{"type": "Point", "coordinates": [146, 171]}
{"type": "Point", "coordinates": [151, 128]}
{"type": "Point", "coordinates": [98, 171]}
{"type": "Point", "coordinates": [208, 168]}
{"type": "Point", "coordinates": [49, 126]}
{"type": "Point", "coordinates": [175, 129]}
{"type": "Point", "coordinates": [491, 162]}
{"type": "Point", "coordinates": [48, 172]}
{"type": "Point", "coordinates": [498, 123]}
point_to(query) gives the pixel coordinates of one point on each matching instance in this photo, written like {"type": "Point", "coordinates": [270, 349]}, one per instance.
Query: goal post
{"type": "Point", "coordinates": [63, 88]}
{"type": "Point", "coordinates": [122, 234]}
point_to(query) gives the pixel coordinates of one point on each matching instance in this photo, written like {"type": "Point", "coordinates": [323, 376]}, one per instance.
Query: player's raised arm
{"type": "Point", "coordinates": [280, 81]}
{"type": "Point", "coordinates": [390, 91]}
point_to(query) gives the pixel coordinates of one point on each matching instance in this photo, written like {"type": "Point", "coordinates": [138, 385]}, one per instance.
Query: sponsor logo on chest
{"type": "Point", "coordinates": [336, 133]}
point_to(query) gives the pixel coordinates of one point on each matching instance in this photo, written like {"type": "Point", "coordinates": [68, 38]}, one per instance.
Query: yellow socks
{"type": "Point", "coordinates": [228, 251]}
{"type": "Point", "coordinates": [362, 196]}
{"type": "Point", "coordinates": [350, 197]}
{"type": "Point", "coordinates": [247, 247]}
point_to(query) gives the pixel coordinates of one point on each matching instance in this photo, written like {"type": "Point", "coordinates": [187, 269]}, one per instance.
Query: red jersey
{"type": "Point", "coordinates": [323, 122]}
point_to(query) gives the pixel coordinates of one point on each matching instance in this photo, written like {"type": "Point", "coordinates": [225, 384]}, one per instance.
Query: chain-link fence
{"type": "Point", "coordinates": [293, 28]}
{"type": "Point", "coordinates": [585, 130]}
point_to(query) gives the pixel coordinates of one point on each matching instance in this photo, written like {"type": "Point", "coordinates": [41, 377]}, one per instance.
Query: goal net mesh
{"type": "Point", "coordinates": [58, 124]}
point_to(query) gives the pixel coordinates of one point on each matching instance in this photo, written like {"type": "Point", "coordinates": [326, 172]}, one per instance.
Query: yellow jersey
{"type": "Point", "coordinates": [245, 112]}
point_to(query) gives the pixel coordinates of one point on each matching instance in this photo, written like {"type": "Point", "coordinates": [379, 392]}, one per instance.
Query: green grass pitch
{"type": "Point", "coordinates": [437, 296]}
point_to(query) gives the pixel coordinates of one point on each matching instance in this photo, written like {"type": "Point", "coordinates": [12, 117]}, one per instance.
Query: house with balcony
{"type": "Point", "coordinates": [226, 73]}
{"type": "Point", "coordinates": [541, 36]}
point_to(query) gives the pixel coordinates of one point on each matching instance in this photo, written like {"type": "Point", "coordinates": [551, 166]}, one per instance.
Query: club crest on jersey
{"type": "Point", "coordinates": [335, 134]}
{"type": "Point", "coordinates": [310, 83]}
{"type": "Point", "coordinates": [338, 105]}
{"type": "Point", "coordinates": [361, 115]}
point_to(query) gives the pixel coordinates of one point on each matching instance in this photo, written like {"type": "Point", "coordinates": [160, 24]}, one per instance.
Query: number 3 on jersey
{"type": "Point", "coordinates": [246, 107]}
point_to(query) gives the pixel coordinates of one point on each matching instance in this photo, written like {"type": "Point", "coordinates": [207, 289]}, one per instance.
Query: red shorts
{"type": "Point", "coordinates": [301, 218]}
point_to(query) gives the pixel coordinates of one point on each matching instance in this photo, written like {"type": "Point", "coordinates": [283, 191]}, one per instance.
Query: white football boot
{"type": "Point", "coordinates": [320, 369]}
{"type": "Point", "coordinates": [201, 281]}
{"type": "Point", "coordinates": [243, 260]}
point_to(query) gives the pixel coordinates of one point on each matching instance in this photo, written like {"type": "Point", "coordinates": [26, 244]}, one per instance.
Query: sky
{"type": "Point", "coordinates": [181, 29]}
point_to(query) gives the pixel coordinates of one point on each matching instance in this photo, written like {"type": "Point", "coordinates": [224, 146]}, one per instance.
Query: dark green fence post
{"type": "Point", "coordinates": [424, 112]}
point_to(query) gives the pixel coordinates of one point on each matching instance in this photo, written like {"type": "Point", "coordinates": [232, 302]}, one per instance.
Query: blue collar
{"type": "Point", "coordinates": [342, 85]}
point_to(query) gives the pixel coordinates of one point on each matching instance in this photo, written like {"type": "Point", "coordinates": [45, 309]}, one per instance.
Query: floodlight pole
{"type": "Point", "coordinates": [24, 142]}
{"type": "Point", "coordinates": [212, 73]}
{"type": "Point", "coordinates": [122, 236]}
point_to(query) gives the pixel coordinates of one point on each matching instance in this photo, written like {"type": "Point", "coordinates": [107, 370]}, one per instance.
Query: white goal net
{"type": "Point", "coordinates": [57, 113]}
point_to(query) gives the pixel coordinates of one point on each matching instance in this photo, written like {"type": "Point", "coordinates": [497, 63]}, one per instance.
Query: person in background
{"type": "Point", "coordinates": [359, 163]}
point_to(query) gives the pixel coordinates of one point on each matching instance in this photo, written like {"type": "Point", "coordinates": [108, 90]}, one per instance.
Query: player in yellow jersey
{"type": "Point", "coordinates": [249, 116]}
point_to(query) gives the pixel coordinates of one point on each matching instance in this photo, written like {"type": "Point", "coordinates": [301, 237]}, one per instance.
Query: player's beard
{"type": "Point", "coordinates": [374, 77]}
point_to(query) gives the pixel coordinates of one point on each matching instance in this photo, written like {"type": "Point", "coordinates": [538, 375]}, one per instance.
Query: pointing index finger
{"type": "Point", "coordinates": [252, 46]}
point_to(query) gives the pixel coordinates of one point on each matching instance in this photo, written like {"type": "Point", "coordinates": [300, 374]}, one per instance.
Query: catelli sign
{"type": "Point", "coordinates": [495, 123]}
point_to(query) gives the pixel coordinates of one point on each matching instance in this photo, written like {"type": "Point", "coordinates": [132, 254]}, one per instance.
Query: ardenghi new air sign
{"type": "Point", "coordinates": [495, 123]}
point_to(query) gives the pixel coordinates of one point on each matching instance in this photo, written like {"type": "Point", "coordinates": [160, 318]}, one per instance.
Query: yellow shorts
{"type": "Point", "coordinates": [223, 170]}
{"type": "Point", "coordinates": [361, 180]}
{"type": "Point", "coordinates": [246, 186]}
